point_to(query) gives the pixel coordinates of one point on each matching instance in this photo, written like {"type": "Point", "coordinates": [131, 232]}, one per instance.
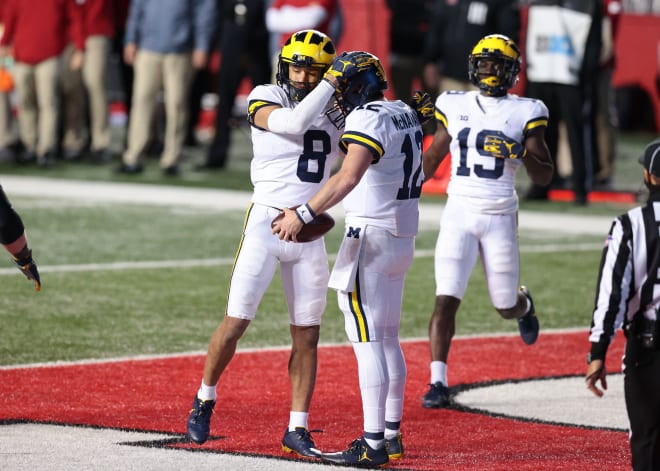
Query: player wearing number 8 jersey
{"type": "Point", "coordinates": [379, 184]}
{"type": "Point", "coordinates": [294, 145]}
{"type": "Point", "coordinates": [490, 134]}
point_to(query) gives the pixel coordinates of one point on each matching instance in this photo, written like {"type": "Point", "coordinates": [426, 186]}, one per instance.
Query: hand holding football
{"type": "Point", "coordinates": [315, 229]}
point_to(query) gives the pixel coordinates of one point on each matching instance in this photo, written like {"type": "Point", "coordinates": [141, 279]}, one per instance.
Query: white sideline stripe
{"type": "Point", "coordinates": [223, 200]}
{"type": "Point", "coordinates": [213, 262]}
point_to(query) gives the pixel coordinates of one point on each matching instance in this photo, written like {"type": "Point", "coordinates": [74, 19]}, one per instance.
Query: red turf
{"type": "Point", "coordinates": [252, 410]}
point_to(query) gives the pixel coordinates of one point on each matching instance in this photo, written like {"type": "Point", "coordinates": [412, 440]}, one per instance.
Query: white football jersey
{"type": "Point", "coordinates": [487, 183]}
{"type": "Point", "coordinates": [287, 169]}
{"type": "Point", "coordinates": [387, 196]}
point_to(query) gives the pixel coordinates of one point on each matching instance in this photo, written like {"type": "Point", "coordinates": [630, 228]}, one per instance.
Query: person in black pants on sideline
{"type": "Point", "coordinates": [243, 43]}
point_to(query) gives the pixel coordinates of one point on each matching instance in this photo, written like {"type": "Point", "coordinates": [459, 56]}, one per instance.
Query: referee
{"type": "Point", "coordinates": [628, 295]}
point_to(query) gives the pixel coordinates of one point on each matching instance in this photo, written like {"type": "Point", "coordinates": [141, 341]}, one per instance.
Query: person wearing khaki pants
{"type": "Point", "coordinates": [164, 41]}
{"type": "Point", "coordinates": [36, 91]}
{"type": "Point", "coordinates": [153, 72]}
{"type": "Point", "coordinates": [37, 40]}
{"type": "Point", "coordinates": [91, 78]}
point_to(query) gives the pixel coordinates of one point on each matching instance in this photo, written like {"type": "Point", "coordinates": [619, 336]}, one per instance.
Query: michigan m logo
{"type": "Point", "coordinates": [354, 232]}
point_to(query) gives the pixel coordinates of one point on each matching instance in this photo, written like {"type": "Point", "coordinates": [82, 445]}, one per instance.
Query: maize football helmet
{"type": "Point", "coordinates": [307, 48]}
{"type": "Point", "coordinates": [366, 85]}
{"type": "Point", "coordinates": [494, 64]}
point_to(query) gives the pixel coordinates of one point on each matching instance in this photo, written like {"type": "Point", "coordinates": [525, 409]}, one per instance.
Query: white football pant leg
{"type": "Point", "coordinates": [456, 250]}
{"type": "Point", "coordinates": [500, 259]}
{"type": "Point", "coordinates": [305, 274]}
{"type": "Point", "coordinates": [255, 263]}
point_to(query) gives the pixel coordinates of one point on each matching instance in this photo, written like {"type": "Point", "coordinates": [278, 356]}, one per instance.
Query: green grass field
{"type": "Point", "coordinates": [93, 307]}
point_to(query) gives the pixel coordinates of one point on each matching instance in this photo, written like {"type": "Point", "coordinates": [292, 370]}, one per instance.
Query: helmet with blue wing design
{"type": "Point", "coordinates": [365, 85]}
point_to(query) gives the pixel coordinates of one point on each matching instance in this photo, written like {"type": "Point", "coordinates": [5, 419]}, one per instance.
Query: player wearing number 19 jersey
{"type": "Point", "coordinates": [294, 145]}
{"type": "Point", "coordinates": [490, 134]}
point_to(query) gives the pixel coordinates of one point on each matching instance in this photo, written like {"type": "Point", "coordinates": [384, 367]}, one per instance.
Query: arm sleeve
{"type": "Point", "coordinates": [613, 288]}
{"type": "Point", "coordinates": [298, 119]}
{"type": "Point", "coordinates": [287, 18]}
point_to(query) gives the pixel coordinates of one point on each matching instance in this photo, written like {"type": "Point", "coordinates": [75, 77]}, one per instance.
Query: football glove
{"type": "Point", "coordinates": [347, 65]}
{"type": "Point", "coordinates": [423, 105]}
{"type": "Point", "coordinates": [28, 267]}
{"type": "Point", "coordinates": [503, 147]}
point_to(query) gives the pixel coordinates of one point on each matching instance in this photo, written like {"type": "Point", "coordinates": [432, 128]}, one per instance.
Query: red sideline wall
{"type": "Point", "coordinates": [637, 49]}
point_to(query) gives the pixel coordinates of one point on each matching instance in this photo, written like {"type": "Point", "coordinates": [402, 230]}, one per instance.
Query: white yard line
{"type": "Point", "coordinates": [222, 200]}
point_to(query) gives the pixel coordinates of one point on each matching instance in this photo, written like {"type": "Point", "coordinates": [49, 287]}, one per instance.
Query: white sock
{"type": "Point", "coordinates": [297, 419]}
{"type": "Point", "coordinates": [391, 433]}
{"type": "Point", "coordinates": [439, 372]}
{"type": "Point", "coordinates": [206, 393]}
{"type": "Point", "coordinates": [375, 444]}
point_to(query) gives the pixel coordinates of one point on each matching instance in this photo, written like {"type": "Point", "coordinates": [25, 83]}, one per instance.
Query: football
{"type": "Point", "coordinates": [316, 228]}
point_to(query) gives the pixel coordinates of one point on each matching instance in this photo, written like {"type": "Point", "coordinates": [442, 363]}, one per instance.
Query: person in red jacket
{"type": "Point", "coordinates": [98, 26]}
{"type": "Point", "coordinates": [38, 31]}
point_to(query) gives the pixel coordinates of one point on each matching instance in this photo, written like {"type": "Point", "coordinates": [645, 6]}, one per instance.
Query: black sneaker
{"type": "Point", "coordinates": [127, 169]}
{"type": "Point", "coordinates": [359, 455]}
{"type": "Point", "coordinates": [300, 442]}
{"type": "Point", "coordinates": [437, 396]}
{"type": "Point", "coordinates": [199, 420]}
{"type": "Point", "coordinates": [394, 447]}
{"type": "Point", "coordinates": [528, 325]}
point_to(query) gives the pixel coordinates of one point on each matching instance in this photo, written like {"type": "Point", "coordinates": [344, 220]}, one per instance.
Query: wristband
{"type": "Point", "coordinates": [305, 214]}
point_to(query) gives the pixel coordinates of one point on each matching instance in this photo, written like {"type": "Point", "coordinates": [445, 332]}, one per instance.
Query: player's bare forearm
{"type": "Point", "coordinates": [355, 164]}
{"type": "Point", "coordinates": [436, 152]}
{"type": "Point", "coordinates": [537, 159]}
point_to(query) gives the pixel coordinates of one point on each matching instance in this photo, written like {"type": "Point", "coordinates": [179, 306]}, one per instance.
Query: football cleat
{"type": "Point", "coordinates": [300, 442]}
{"type": "Point", "coordinates": [359, 455]}
{"type": "Point", "coordinates": [436, 397]}
{"type": "Point", "coordinates": [528, 325]}
{"type": "Point", "coordinates": [199, 420]}
{"type": "Point", "coordinates": [394, 447]}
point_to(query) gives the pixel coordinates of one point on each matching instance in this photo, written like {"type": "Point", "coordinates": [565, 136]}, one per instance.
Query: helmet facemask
{"type": "Point", "coordinates": [296, 90]}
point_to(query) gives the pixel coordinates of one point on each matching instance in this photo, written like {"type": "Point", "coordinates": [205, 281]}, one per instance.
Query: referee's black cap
{"type": "Point", "coordinates": [650, 159]}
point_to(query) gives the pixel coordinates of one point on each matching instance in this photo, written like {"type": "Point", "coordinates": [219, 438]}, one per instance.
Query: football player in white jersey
{"type": "Point", "coordinates": [490, 134]}
{"type": "Point", "coordinates": [293, 154]}
{"type": "Point", "coordinates": [380, 183]}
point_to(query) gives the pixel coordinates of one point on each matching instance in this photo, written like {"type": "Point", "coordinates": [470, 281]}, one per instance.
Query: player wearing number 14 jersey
{"type": "Point", "coordinates": [490, 134]}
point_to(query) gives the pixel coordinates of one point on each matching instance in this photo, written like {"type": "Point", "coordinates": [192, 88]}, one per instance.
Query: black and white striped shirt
{"type": "Point", "coordinates": [629, 277]}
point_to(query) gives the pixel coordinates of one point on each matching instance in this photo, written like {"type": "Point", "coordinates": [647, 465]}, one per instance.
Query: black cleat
{"type": "Point", "coordinates": [437, 396]}
{"type": "Point", "coordinates": [358, 455]}
{"type": "Point", "coordinates": [300, 442]}
{"type": "Point", "coordinates": [199, 420]}
{"type": "Point", "coordinates": [528, 325]}
{"type": "Point", "coordinates": [127, 169]}
{"type": "Point", "coordinates": [394, 447]}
